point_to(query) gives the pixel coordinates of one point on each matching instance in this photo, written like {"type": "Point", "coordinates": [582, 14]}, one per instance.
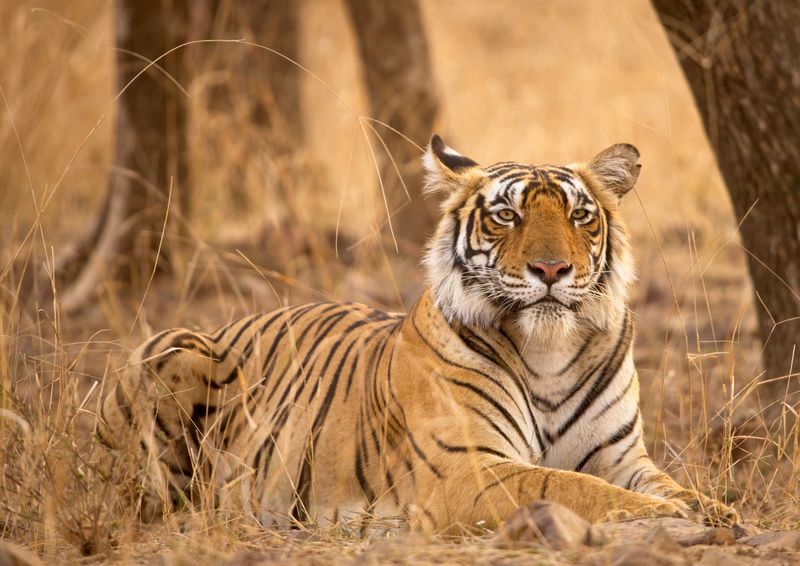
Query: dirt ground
{"type": "Point", "coordinates": [535, 81]}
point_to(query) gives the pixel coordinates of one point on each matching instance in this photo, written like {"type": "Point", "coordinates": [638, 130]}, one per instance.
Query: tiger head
{"type": "Point", "coordinates": [541, 246]}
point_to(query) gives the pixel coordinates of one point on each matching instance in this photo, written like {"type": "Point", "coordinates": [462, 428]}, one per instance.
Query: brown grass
{"type": "Point", "coordinates": [541, 82]}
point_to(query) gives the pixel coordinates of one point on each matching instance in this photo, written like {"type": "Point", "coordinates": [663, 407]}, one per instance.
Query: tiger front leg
{"type": "Point", "coordinates": [483, 495]}
{"type": "Point", "coordinates": [625, 463]}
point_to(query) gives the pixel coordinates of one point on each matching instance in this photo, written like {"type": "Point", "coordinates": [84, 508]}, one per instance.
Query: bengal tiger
{"type": "Point", "coordinates": [511, 380]}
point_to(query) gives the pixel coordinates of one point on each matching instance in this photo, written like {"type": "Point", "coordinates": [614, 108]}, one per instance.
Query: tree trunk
{"type": "Point", "coordinates": [150, 152]}
{"type": "Point", "coordinates": [397, 71]}
{"type": "Point", "coordinates": [742, 62]}
{"type": "Point", "coordinates": [257, 91]}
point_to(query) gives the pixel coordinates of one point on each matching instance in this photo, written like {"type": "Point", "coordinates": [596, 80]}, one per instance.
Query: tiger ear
{"type": "Point", "coordinates": [447, 170]}
{"type": "Point", "coordinates": [616, 168]}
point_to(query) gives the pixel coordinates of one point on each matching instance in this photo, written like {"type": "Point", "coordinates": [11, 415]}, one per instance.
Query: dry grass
{"type": "Point", "coordinates": [541, 82]}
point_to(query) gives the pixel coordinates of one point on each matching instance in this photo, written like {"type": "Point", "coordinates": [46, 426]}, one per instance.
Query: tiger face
{"type": "Point", "coordinates": [540, 245]}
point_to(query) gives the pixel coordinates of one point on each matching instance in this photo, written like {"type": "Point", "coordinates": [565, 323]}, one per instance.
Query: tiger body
{"type": "Point", "coordinates": [509, 381]}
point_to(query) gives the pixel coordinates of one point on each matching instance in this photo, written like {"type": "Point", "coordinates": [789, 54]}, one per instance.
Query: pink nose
{"type": "Point", "coordinates": [550, 270]}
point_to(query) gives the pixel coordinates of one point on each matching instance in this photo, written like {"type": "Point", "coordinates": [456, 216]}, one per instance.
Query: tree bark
{"type": "Point", "coordinates": [268, 83]}
{"type": "Point", "coordinates": [397, 72]}
{"type": "Point", "coordinates": [742, 62]}
{"type": "Point", "coordinates": [150, 153]}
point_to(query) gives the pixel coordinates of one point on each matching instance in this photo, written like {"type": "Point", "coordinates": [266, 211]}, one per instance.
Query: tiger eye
{"type": "Point", "coordinates": [579, 214]}
{"type": "Point", "coordinates": [506, 214]}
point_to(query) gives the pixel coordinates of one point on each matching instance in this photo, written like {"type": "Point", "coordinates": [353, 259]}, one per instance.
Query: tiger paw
{"type": "Point", "coordinates": [712, 512]}
{"type": "Point", "coordinates": [652, 509]}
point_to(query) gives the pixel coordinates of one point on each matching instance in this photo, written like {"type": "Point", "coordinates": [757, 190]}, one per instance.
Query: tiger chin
{"type": "Point", "coordinates": [511, 380]}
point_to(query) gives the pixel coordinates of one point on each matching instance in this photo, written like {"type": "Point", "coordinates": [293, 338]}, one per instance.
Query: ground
{"type": "Point", "coordinates": [540, 82]}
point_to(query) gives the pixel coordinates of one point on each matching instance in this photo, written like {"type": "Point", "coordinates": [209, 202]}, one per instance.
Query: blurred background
{"type": "Point", "coordinates": [261, 184]}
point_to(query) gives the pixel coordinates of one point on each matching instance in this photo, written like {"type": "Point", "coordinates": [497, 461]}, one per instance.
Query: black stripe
{"type": "Point", "coordinates": [167, 433]}
{"type": "Point", "coordinates": [500, 409]}
{"type": "Point", "coordinates": [616, 399]}
{"type": "Point", "coordinates": [546, 404]}
{"type": "Point", "coordinates": [464, 449]}
{"type": "Point", "coordinates": [609, 251]}
{"type": "Point", "coordinates": [147, 350]}
{"type": "Point", "coordinates": [123, 405]}
{"type": "Point", "coordinates": [449, 362]}
{"type": "Point", "coordinates": [180, 343]}
{"type": "Point", "coordinates": [422, 456]}
{"type": "Point", "coordinates": [546, 481]}
{"type": "Point", "coordinates": [303, 487]}
{"type": "Point", "coordinates": [280, 419]}
{"type": "Point", "coordinates": [353, 369]}
{"type": "Point", "coordinates": [267, 367]}
{"type": "Point", "coordinates": [286, 409]}
{"type": "Point", "coordinates": [606, 376]}
{"type": "Point", "coordinates": [376, 354]}
{"type": "Point", "coordinates": [304, 481]}
{"type": "Point", "coordinates": [635, 478]}
{"type": "Point", "coordinates": [248, 350]}
{"type": "Point", "coordinates": [396, 402]}
{"type": "Point", "coordinates": [469, 252]}
{"type": "Point", "coordinates": [529, 369]}
{"type": "Point", "coordinates": [101, 437]}
{"type": "Point", "coordinates": [620, 434]}
{"type": "Point", "coordinates": [389, 479]}
{"type": "Point", "coordinates": [513, 177]}
{"type": "Point", "coordinates": [457, 261]}
{"type": "Point", "coordinates": [498, 482]}
{"type": "Point", "coordinates": [502, 168]}
{"type": "Point", "coordinates": [222, 330]}
{"type": "Point", "coordinates": [410, 470]}
{"type": "Point", "coordinates": [429, 515]}
{"type": "Point", "coordinates": [366, 489]}
{"type": "Point", "coordinates": [493, 356]}
{"type": "Point", "coordinates": [492, 424]}
{"type": "Point", "coordinates": [481, 347]}
{"type": "Point", "coordinates": [238, 335]}
{"type": "Point", "coordinates": [389, 419]}
{"type": "Point", "coordinates": [626, 451]}
{"type": "Point", "coordinates": [323, 371]}
{"type": "Point", "coordinates": [579, 353]}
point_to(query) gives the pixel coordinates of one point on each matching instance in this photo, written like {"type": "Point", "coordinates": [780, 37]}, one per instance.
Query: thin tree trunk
{"type": "Point", "coordinates": [742, 62]}
{"type": "Point", "coordinates": [397, 71]}
{"type": "Point", "coordinates": [150, 151]}
{"type": "Point", "coordinates": [267, 83]}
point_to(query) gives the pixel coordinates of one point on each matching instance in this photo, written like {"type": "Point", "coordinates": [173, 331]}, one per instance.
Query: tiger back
{"type": "Point", "coordinates": [511, 379]}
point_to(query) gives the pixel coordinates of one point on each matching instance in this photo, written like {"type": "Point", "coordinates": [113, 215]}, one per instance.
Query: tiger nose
{"type": "Point", "coordinates": [550, 270]}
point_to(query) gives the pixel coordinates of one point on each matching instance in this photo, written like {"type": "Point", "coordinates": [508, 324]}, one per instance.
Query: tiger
{"type": "Point", "coordinates": [511, 380]}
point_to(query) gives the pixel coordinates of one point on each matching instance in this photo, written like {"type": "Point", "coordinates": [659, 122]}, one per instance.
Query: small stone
{"type": "Point", "coordinates": [662, 540]}
{"type": "Point", "coordinates": [741, 530]}
{"type": "Point", "coordinates": [719, 536]}
{"type": "Point", "coordinates": [785, 540]}
{"type": "Point", "coordinates": [549, 523]}
{"type": "Point", "coordinates": [724, 555]}
{"type": "Point", "coordinates": [680, 530]}
{"type": "Point", "coordinates": [636, 554]}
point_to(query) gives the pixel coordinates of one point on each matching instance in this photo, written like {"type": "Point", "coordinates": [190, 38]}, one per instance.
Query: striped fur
{"type": "Point", "coordinates": [494, 391]}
